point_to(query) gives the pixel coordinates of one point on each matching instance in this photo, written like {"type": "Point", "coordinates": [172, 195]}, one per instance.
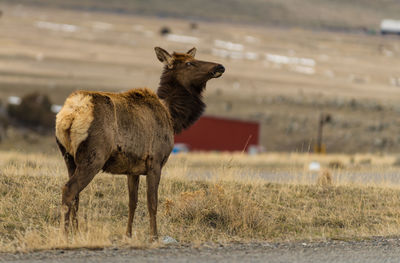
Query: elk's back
{"type": "Point", "coordinates": [135, 124]}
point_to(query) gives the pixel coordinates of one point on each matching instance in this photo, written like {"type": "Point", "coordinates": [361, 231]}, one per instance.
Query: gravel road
{"type": "Point", "coordinates": [375, 250]}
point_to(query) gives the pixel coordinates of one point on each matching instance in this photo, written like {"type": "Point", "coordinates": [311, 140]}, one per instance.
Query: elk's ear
{"type": "Point", "coordinates": [164, 56]}
{"type": "Point", "coordinates": [192, 52]}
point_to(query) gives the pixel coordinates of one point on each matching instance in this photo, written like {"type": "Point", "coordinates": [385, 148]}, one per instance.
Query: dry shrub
{"type": "Point", "coordinates": [396, 161]}
{"type": "Point", "coordinates": [34, 111]}
{"type": "Point", "coordinates": [219, 208]}
{"type": "Point", "coordinates": [165, 31]}
{"type": "Point", "coordinates": [324, 178]}
{"type": "Point", "coordinates": [336, 164]}
{"type": "Point", "coordinates": [365, 161]}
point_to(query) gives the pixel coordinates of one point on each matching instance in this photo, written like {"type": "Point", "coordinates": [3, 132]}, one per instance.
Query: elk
{"type": "Point", "coordinates": [131, 132]}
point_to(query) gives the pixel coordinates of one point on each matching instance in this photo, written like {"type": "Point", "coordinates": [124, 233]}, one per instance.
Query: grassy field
{"type": "Point", "coordinates": [232, 201]}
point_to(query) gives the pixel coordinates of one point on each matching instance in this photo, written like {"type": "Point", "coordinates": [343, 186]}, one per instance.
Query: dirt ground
{"type": "Point", "coordinates": [370, 251]}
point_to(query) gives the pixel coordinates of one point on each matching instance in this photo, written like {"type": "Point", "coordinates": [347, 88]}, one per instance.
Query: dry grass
{"type": "Point", "coordinates": [281, 159]}
{"type": "Point", "coordinates": [228, 204]}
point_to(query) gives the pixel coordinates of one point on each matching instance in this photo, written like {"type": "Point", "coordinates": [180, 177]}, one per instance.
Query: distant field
{"type": "Point", "coordinates": [203, 198]}
{"type": "Point", "coordinates": [359, 15]}
{"type": "Point", "coordinates": [283, 78]}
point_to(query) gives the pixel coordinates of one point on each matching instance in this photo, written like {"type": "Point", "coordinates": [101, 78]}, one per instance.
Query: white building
{"type": "Point", "coordinates": [390, 26]}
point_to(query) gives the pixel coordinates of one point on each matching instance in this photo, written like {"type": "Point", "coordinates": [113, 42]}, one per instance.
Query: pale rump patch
{"type": "Point", "coordinates": [73, 121]}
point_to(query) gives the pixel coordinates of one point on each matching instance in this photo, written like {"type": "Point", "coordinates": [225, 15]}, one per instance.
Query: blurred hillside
{"type": "Point", "coordinates": [281, 77]}
{"type": "Point", "coordinates": [338, 15]}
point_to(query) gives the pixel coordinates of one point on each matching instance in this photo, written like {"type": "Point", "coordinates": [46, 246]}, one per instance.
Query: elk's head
{"type": "Point", "coordinates": [187, 71]}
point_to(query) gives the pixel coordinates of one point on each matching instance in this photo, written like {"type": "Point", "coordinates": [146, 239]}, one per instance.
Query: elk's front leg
{"type": "Point", "coordinates": [153, 179]}
{"type": "Point", "coordinates": [133, 186]}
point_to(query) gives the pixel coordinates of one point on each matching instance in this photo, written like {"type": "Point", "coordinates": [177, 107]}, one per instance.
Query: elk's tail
{"type": "Point", "coordinates": [74, 120]}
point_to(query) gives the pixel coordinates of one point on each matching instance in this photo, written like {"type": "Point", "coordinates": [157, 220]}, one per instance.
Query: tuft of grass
{"type": "Point", "coordinates": [228, 204]}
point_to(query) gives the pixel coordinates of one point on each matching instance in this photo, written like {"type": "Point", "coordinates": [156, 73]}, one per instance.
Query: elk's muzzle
{"type": "Point", "coordinates": [218, 70]}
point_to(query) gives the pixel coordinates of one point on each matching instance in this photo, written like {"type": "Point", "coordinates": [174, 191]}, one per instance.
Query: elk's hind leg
{"type": "Point", "coordinates": [68, 158]}
{"type": "Point", "coordinates": [82, 177]}
{"type": "Point", "coordinates": [89, 161]}
{"type": "Point", "coordinates": [71, 167]}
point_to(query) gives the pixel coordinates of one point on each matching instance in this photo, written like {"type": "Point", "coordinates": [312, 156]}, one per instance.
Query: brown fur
{"type": "Point", "coordinates": [131, 132]}
{"type": "Point", "coordinates": [181, 88]}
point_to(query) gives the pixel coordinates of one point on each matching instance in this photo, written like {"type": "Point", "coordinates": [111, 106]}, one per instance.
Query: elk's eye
{"type": "Point", "coordinates": [189, 64]}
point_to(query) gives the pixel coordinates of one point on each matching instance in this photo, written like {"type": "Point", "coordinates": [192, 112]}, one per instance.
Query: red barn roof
{"type": "Point", "coordinates": [220, 134]}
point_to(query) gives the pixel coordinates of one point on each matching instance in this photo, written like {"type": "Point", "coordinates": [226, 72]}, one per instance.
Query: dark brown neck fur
{"type": "Point", "coordinates": [184, 103]}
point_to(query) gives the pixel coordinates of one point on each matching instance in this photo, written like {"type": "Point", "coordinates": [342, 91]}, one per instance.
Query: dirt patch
{"type": "Point", "coordinates": [375, 250]}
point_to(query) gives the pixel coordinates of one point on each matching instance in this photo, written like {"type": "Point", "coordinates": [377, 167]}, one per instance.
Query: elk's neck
{"type": "Point", "coordinates": [185, 104]}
